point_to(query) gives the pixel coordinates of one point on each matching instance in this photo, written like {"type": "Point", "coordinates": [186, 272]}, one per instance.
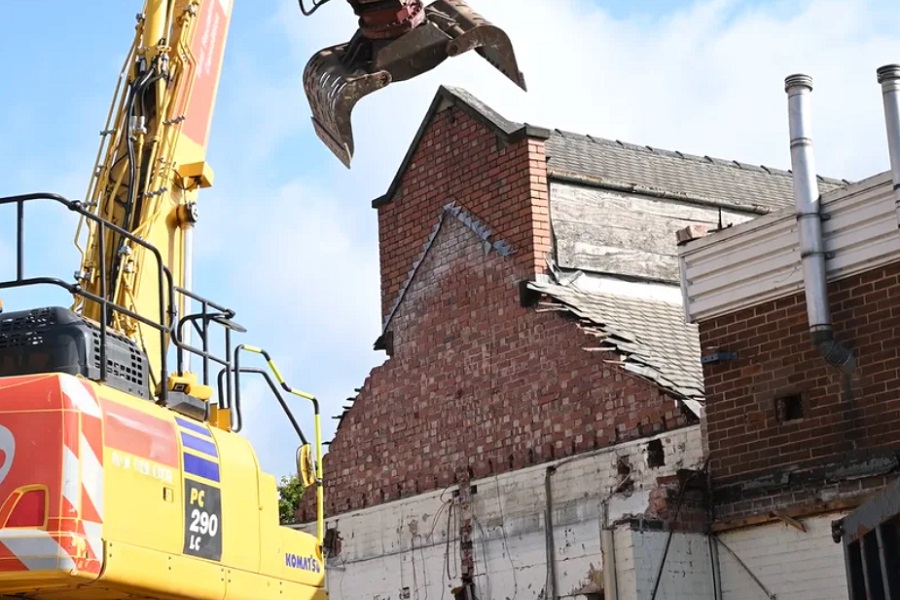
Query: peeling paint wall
{"type": "Point", "coordinates": [756, 563]}
{"type": "Point", "coordinates": [410, 548]}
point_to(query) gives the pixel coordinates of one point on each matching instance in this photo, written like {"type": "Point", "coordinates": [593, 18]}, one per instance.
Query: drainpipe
{"type": "Point", "coordinates": [889, 78]}
{"type": "Point", "coordinates": [809, 225]}
{"type": "Point", "coordinates": [608, 552]}
{"type": "Point", "coordinates": [548, 536]}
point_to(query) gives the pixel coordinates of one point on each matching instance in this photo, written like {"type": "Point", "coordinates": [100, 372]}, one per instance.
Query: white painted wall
{"type": "Point", "coordinates": [686, 575]}
{"type": "Point", "coordinates": [789, 563]}
{"type": "Point", "coordinates": [404, 549]}
{"type": "Point", "coordinates": [409, 549]}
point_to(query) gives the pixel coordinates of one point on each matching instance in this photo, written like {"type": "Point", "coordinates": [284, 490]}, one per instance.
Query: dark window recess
{"type": "Point", "coordinates": [789, 408]}
{"type": "Point", "coordinates": [656, 454]}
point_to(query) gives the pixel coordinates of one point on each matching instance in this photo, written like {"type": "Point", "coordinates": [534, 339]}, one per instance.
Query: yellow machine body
{"type": "Point", "coordinates": [106, 496]}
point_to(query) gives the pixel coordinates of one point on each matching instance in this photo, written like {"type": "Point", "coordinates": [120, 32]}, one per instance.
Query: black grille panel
{"type": "Point", "coordinates": [56, 340]}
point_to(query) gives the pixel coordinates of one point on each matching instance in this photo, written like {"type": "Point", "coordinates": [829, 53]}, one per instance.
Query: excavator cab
{"type": "Point", "coordinates": [396, 40]}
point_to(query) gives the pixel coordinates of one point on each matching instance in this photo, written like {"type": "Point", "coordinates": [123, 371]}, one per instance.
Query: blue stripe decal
{"type": "Point", "coordinates": [195, 443]}
{"type": "Point", "coordinates": [193, 427]}
{"type": "Point", "coordinates": [201, 467]}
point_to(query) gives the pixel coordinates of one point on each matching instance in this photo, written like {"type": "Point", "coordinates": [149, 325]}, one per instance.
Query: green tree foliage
{"type": "Point", "coordinates": [290, 490]}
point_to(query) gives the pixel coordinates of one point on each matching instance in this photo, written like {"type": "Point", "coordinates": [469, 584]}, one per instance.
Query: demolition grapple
{"type": "Point", "coordinates": [396, 40]}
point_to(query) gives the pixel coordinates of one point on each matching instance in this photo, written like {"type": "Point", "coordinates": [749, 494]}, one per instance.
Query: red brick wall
{"type": "Point", "coordinates": [459, 159]}
{"type": "Point", "coordinates": [478, 381]}
{"type": "Point", "coordinates": [475, 380]}
{"type": "Point", "coordinates": [748, 442]}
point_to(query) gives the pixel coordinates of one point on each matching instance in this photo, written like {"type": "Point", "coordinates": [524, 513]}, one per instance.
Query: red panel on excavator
{"type": "Point", "coordinates": [50, 475]}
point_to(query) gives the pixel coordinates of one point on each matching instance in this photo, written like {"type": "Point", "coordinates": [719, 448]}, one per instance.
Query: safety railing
{"type": "Point", "coordinates": [164, 277]}
{"type": "Point", "coordinates": [237, 416]}
{"type": "Point", "coordinates": [165, 323]}
{"type": "Point", "coordinates": [170, 327]}
{"type": "Point", "coordinates": [209, 313]}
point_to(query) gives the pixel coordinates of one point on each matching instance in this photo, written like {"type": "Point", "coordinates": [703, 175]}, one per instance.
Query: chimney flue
{"type": "Point", "coordinates": [889, 78]}
{"type": "Point", "coordinates": [809, 225]}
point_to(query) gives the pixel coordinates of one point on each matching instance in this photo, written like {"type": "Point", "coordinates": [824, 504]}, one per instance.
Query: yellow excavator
{"type": "Point", "coordinates": [123, 473]}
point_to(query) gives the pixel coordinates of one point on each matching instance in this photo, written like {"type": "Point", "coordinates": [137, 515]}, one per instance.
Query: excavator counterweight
{"type": "Point", "coordinates": [395, 43]}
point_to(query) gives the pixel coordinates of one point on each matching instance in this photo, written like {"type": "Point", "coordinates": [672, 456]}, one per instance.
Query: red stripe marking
{"type": "Point", "coordinates": [132, 431]}
{"type": "Point", "coordinates": [70, 403]}
{"type": "Point", "coordinates": [89, 563]}
{"type": "Point", "coordinates": [31, 392]}
{"type": "Point", "coordinates": [9, 562]}
{"type": "Point", "coordinates": [88, 510]}
{"type": "Point", "coordinates": [208, 47]}
{"type": "Point", "coordinates": [69, 511]}
{"type": "Point", "coordinates": [11, 565]}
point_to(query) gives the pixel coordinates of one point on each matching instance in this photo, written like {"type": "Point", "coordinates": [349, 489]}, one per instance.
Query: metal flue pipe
{"type": "Point", "coordinates": [809, 224]}
{"type": "Point", "coordinates": [889, 78]}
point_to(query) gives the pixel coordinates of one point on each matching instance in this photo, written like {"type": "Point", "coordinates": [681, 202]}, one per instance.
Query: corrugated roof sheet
{"type": "Point", "coordinates": [650, 337]}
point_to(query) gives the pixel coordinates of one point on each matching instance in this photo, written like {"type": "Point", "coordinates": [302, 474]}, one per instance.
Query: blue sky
{"type": "Point", "coordinates": [287, 236]}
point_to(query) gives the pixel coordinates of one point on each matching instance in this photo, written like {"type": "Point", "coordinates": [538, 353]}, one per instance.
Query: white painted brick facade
{"type": "Point", "coordinates": [405, 549]}
{"type": "Point", "coordinates": [791, 564]}
{"type": "Point", "coordinates": [686, 575]}
{"type": "Point", "coordinates": [410, 549]}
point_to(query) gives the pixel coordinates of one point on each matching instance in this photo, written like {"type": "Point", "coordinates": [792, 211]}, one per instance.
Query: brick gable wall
{"type": "Point", "coordinates": [475, 381]}
{"type": "Point", "coordinates": [460, 159]}
{"type": "Point", "coordinates": [840, 446]}
{"type": "Point", "coordinates": [478, 382]}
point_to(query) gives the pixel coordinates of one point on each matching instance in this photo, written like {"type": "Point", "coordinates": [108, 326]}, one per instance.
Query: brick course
{"type": "Point", "coordinates": [749, 442]}
{"type": "Point", "coordinates": [475, 380]}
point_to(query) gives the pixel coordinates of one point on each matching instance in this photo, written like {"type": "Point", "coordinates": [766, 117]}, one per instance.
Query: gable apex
{"type": "Point", "coordinates": [448, 97]}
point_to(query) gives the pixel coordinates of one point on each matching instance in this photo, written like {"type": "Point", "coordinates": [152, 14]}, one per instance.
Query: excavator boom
{"type": "Point", "coordinates": [397, 40]}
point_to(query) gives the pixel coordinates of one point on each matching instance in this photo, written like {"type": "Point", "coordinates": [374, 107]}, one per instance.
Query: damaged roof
{"type": "Point", "coordinates": [646, 337]}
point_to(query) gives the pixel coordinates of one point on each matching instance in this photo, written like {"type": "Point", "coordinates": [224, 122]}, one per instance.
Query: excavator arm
{"type": "Point", "coordinates": [150, 166]}
{"type": "Point", "coordinates": [152, 161]}
{"type": "Point", "coordinates": [397, 40]}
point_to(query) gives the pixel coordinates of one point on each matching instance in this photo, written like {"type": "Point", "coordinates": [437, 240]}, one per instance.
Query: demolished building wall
{"type": "Point", "coordinates": [479, 378]}
{"type": "Point", "coordinates": [533, 322]}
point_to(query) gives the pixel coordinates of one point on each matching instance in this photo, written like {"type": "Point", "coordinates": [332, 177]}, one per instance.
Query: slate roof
{"type": "Point", "coordinates": [646, 337]}
{"type": "Point", "coordinates": [605, 162]}
{"type": "Point", "coordinates": [730, 183]}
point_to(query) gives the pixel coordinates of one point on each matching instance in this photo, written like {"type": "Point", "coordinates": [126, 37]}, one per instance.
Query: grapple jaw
{"type": "Point", "coordinates": [338, 77]}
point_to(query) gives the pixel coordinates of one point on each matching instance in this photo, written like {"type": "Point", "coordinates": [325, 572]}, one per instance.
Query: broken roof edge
{"type": "Point", "coordinates": [447, 96]}
{"type": "Point", "coordinates": [696, 242]}
{"type": "Point", "coordinates": [691, 397]}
